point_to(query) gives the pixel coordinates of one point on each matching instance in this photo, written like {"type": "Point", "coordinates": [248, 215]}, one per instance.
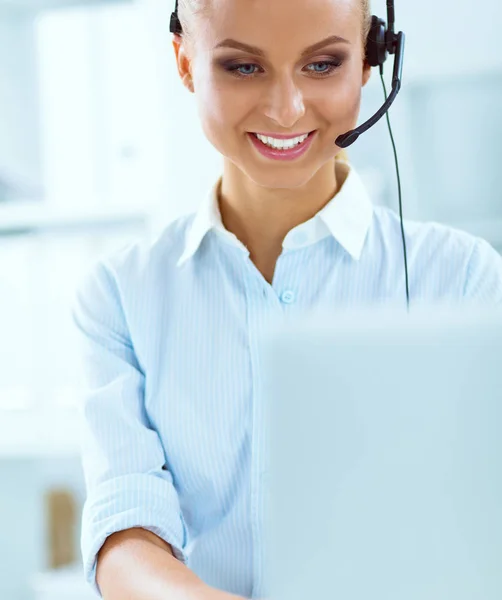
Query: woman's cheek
{"type": "Point", "coordinates": [345, 108]}
{"type": "Point", "coordinates": [354, 107]}
{"type": "Point", "coordinates": [217, 120]}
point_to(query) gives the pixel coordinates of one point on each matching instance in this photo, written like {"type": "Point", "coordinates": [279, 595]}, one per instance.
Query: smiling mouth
{"type": "Point", "coordinates": [278, 143]}
{"type": "Point", "coordinates": [282, 150]}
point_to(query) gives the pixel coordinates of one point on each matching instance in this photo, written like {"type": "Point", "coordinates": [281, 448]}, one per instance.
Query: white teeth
{"type": "Point", "coordinates": [282, 144]}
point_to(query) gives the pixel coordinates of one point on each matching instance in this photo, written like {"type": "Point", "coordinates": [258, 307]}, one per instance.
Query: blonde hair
{"type": "Point", "coordinates": [196, 8]}
{"type": "Point", "coordinates": [342, 156]}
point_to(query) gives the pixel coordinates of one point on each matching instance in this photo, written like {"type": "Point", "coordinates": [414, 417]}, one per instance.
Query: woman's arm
{"type": "Point", "coordinates": [132, 519]}
{"type": "Point", "coordinates": [138, 565]}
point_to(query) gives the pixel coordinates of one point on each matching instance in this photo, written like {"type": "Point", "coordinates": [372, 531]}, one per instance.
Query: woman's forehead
{"type": "Point", "coordinates": [283, 17]}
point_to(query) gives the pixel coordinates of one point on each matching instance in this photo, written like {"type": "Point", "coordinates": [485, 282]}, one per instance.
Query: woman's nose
{"type": "Point", "coordinates": [285, 102]}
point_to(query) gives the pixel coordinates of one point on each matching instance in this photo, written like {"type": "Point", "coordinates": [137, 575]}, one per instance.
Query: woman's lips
{"type": "Point", "coordinates": [278, 154]}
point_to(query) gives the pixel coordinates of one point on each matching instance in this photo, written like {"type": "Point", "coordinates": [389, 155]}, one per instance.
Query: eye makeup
{"type": "Point", "coordinates": [243, 68]}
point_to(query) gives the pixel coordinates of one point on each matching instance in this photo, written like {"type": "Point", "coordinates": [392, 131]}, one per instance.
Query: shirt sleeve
{"type": "Point", "coordinates": [126, 479]}
{"type": "Point", "coordinates": [484, 274]}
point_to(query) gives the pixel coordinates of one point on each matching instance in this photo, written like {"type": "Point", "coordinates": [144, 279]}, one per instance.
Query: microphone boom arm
{"type": "Point", "coordinates": [347, 139]}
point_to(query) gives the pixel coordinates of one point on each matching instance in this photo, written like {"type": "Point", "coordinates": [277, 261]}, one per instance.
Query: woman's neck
{"type": "Point", "coordinates": [261, 217]}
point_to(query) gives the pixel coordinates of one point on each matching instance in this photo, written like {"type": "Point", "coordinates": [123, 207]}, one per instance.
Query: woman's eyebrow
{"type": "Point", "coordinates": [229, 43]}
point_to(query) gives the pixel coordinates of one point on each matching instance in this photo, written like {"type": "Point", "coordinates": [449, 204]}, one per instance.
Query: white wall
{"type": "Point", "coordinates": [19, 123]}
{"type": "Point", "coordinates": [100, 107]}
{"type": "Point", "coordinates": [447, 36]}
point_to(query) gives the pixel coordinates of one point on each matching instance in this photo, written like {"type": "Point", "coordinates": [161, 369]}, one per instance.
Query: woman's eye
{"type": "Point", "coordinates": [242, 70]}
{"type": "Point", "coordinates": [320, 68]}
{"type": "Point", "coordinates": [326, 67]}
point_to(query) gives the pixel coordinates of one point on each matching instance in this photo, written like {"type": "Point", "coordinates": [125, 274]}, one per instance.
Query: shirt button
{"type": "Point", "coordinates": [288, 297]}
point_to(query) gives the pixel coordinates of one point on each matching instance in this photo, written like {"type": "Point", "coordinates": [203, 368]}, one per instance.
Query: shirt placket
{"type": "Point", "coordinates": [262, 308]}
{"type": "Point", "coordinates": [266, 305]}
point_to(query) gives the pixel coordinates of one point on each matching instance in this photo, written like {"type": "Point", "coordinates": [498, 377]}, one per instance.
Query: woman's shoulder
{"type": "Point", "coordinates": [140, 260]}
{"type": "Point", "coordinates": [150, 251]}
{"type": "Point", "coordinates": [420, 234]}
{"type": "Point", "coordinates": [444, 250]}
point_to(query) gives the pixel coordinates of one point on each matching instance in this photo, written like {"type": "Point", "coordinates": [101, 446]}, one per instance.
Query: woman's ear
{"type": "Point", "coordinates": [183, 62]}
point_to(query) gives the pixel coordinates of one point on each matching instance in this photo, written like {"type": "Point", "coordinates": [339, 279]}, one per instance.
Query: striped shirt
{"type": "Point", "coordinates": [170, 330]}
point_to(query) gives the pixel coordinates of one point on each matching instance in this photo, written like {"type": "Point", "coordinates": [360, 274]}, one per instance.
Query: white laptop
{"type": "Point", "coordinates": [385, 447]}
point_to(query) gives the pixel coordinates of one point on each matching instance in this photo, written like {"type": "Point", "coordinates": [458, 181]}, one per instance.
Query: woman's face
{"type": "Point", "coordinates": [278, 86]}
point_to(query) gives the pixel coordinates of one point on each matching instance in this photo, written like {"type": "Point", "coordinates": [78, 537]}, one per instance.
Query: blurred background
{"type": "Point", "coordinates": [101, 144]}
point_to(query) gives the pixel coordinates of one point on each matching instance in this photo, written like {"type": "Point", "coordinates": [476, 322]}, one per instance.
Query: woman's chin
{"type": "Point", "coordinates": [281, 177]}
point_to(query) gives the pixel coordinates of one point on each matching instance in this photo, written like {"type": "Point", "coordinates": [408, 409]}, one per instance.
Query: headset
{"type": "Point", "coordinates": [381, 41]}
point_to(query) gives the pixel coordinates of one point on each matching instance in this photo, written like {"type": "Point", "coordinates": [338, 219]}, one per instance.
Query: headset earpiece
{"type": "Point", "coordinates": [175, 24]}
{"type": "Point", "coordinates": [376, 45]}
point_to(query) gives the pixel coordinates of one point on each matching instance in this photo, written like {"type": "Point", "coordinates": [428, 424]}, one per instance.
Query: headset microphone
{"type": "Point", "coordinates": [345, 140]}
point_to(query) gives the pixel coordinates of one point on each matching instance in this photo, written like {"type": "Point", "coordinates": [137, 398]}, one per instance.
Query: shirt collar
{"type": "Point", "coordinates": [347, 217]}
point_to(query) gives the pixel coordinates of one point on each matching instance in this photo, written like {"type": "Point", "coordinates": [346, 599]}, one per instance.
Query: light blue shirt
{"type": "Point", "coordinates": [171, 329]}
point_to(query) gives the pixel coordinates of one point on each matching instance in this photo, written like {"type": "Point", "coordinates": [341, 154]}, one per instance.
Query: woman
{"type": "Point", "coordinates": [173, 453]}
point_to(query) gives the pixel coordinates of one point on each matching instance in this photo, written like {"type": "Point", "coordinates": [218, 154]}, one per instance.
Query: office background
{"type": "Point", "coordinates": [100, 143]}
